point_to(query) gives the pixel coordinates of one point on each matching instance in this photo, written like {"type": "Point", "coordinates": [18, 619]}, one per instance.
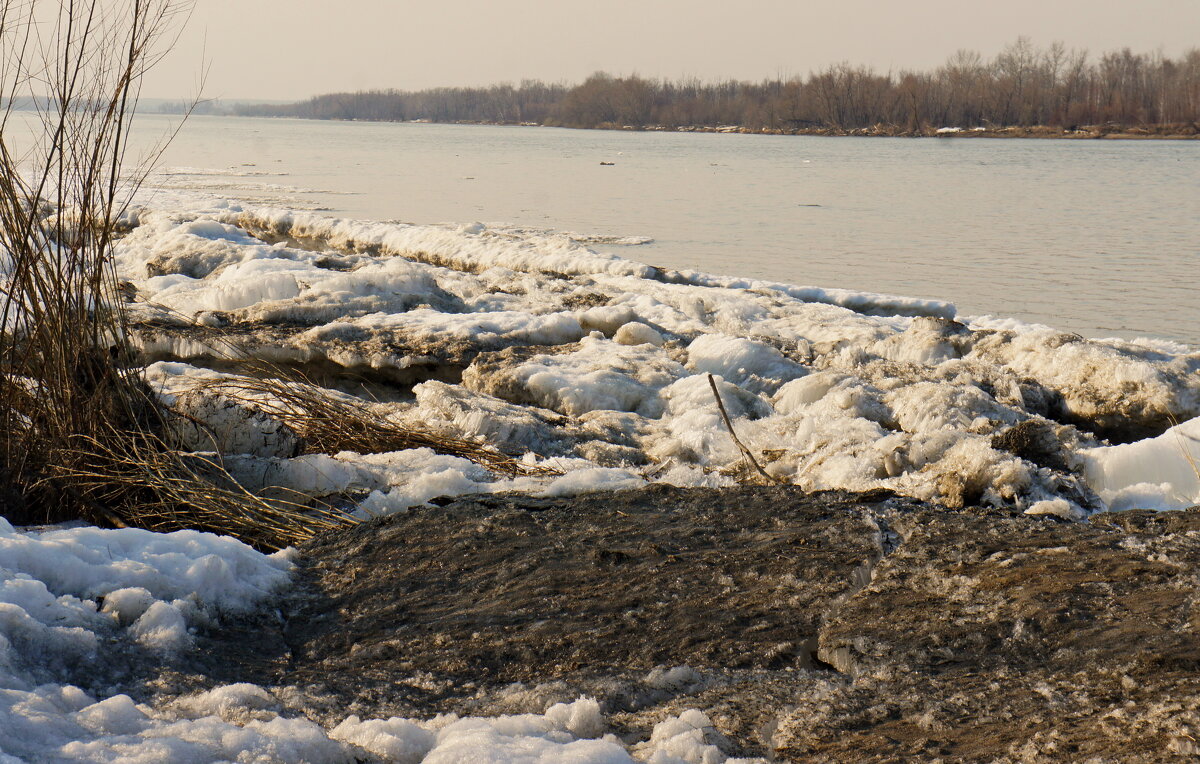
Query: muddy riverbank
{"type": "Point", "coordinates": [820, 626]}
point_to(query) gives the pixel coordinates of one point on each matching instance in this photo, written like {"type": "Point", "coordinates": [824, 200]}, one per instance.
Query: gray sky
{"type": "Point", "coordinates": [296, 48]}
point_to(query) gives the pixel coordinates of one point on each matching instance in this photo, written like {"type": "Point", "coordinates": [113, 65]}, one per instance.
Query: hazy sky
{"type": "Point", "coordinates": [296, 48]}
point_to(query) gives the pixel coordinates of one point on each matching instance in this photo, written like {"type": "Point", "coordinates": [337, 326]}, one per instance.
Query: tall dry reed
{"type": "Point", "coordinates": [81, 435]}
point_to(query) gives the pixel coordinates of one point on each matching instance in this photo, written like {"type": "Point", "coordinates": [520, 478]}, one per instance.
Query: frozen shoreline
{"type": "Point", "coordinates": [568, 358]}
{"type": "Point", "coordinates": [497, 335]}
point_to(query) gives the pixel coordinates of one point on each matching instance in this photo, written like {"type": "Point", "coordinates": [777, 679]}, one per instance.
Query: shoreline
{"type": "Point", "coordinates": [1086, 132]}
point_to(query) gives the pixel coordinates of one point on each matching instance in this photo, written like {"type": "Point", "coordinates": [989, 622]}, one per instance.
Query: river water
{"type": "Point", "coordinates": [1096, 237]}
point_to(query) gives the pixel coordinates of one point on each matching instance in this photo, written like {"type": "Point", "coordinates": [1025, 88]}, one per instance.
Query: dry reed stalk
{"type": "Point", "coordinates": [1183, 448]}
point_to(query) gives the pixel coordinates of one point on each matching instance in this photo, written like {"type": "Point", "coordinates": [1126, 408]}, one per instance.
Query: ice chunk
{"type": "Point", "coordinates": [754, 365]}
{"type": "Point", "coordinates": [637, 333]}
{"type": "Point", "coordinates": [1156, 473]}
{"type": "Point", "coordinates": [397, 740]}
{"type": "Point", "coordinates": [599, 374]}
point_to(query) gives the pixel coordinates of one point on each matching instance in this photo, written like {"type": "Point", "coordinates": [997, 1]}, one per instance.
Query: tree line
{"type": "Point", "coordinates": [1022, 86]}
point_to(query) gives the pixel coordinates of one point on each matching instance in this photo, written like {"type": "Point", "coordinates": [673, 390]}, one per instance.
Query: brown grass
{"type": "Point", "coordinates": [329, 423]}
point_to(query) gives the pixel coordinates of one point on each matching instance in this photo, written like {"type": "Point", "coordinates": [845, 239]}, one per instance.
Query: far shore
{"type": "Point", "coordinates": [1173, 132]}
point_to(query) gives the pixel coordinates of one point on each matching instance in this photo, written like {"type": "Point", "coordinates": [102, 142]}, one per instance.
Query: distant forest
{"type": "Point", "coordinates": [1023, 86]}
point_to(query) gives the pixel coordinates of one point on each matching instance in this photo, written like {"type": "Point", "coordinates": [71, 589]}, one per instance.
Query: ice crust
{"type": "Point", "coordinates": [599, 366]}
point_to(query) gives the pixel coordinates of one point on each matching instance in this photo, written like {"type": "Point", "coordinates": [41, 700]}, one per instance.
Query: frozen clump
{"type": "Point", "coordinates": [672, 679]}
{"type": "Point", "coordinates": [486, 746]}
{"type": "Point", "coordinates": [465, 413]}
{"type": "Point", "coordinates": [637, 333]}
{"type": "Point", "coordinates": [805, 390]}
{"type": "Point", "coordinates": [963, 470]}
{"type": "Point", "coordinates": [755, 365]}
{"type": "Point", "coordinates": [396, 740]}
{"type": "Point", "coordinates": [1117, 388]}
{"type": "Point", "coordinates": [162, 627]}
{"type": "Point", "coordinates": [526, 737]}
{"type": "Point", "coordinates": [598, 375]}
{"type": "Point", "coordinates": [694, 430]}
{"type": "Point", "coordinates": [833, 394]}
{"type": "Point", "coordinates": [930, 406]}
{"type": "Point", "coordinates": [682, 739]}
{"type": "Point", "coordinates": [128, 605]}
{"type": "Point", "coordinates": [1057, 507]}
{"type": "Point", "coordinates": [581, 718]}
{"type": "Point", "coordinates": [228, 701]}
{"type": "Point", "coordinates": [927, 341]}
{"type": "Point", "coordinates": [607, 319]}
{"type": "Point", "coordinates": [695, 392]}
{"type": "Point", "coordinates": [113, 716]}
{"type": "Point", "coordinates": [591, 480]}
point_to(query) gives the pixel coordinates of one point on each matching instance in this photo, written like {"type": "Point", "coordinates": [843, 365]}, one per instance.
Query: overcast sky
{"type": "Point", "coordinates": [292, 49]}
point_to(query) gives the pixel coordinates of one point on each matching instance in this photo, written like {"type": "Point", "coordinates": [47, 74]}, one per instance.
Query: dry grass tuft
{"type": "Point", "coordinates": [156, 488]}
{"type": "Point", "coordinates": [329, 423]}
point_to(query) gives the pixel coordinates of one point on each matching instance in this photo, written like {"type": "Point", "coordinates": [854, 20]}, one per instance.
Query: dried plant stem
{"type": "Point", "coordinates": [738, 441]}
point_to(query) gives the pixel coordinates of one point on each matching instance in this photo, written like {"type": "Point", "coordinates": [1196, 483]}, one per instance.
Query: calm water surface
{"type": "Point", "coordinates": [1096, 237]}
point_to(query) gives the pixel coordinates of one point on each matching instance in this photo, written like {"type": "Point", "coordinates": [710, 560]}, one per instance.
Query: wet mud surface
{"type": "Point", "coordinates": [813, 627]}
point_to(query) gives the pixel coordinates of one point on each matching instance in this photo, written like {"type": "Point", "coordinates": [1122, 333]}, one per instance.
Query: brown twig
{"type": "Point", "coordinates": [729, 425]}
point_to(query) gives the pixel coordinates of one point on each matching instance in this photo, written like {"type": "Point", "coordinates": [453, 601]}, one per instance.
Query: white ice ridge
{"type": "Point", "coordinates": [598, 366]}
{"type": "Point", "coordinates": [1161, 472]}
{"type": "Point", "coordinates": [74, 599]}
{"type": "Point", "coordinates": [475, 248]}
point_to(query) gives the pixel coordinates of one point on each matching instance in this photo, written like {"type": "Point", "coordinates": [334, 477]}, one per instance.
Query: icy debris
{"type": "Point", "coordinates": [467, 250]}
{"type": "Point", "coordinates": [565, 352]}
{"type": "Point", "coordinates": [674, 679]}
{"type": "Point", "coordinates": [213, 421]}
{"type": "Point", "coordinates": [637, 333]}
{"type": "Point", "coordinates": [683, 739]}
{"type": "Point", "coordinates": [753, 365]}
{"type": "Point", "coordinates": [65, 592]}
{"type": "Point", "coordinates": [162, 627]}
{"type": "Point", "coordinates": [1057, 507]}
{"type": "Point", "coordinates": [599, 374]}
{"type": "Point", "coordinates": [429, 327]}
{"type": "Point", "coordinates": [83, 564]}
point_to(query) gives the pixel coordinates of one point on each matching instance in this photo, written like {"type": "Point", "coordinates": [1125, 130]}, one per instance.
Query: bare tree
{"type": "Point", "coordinates": [1022, 86]}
